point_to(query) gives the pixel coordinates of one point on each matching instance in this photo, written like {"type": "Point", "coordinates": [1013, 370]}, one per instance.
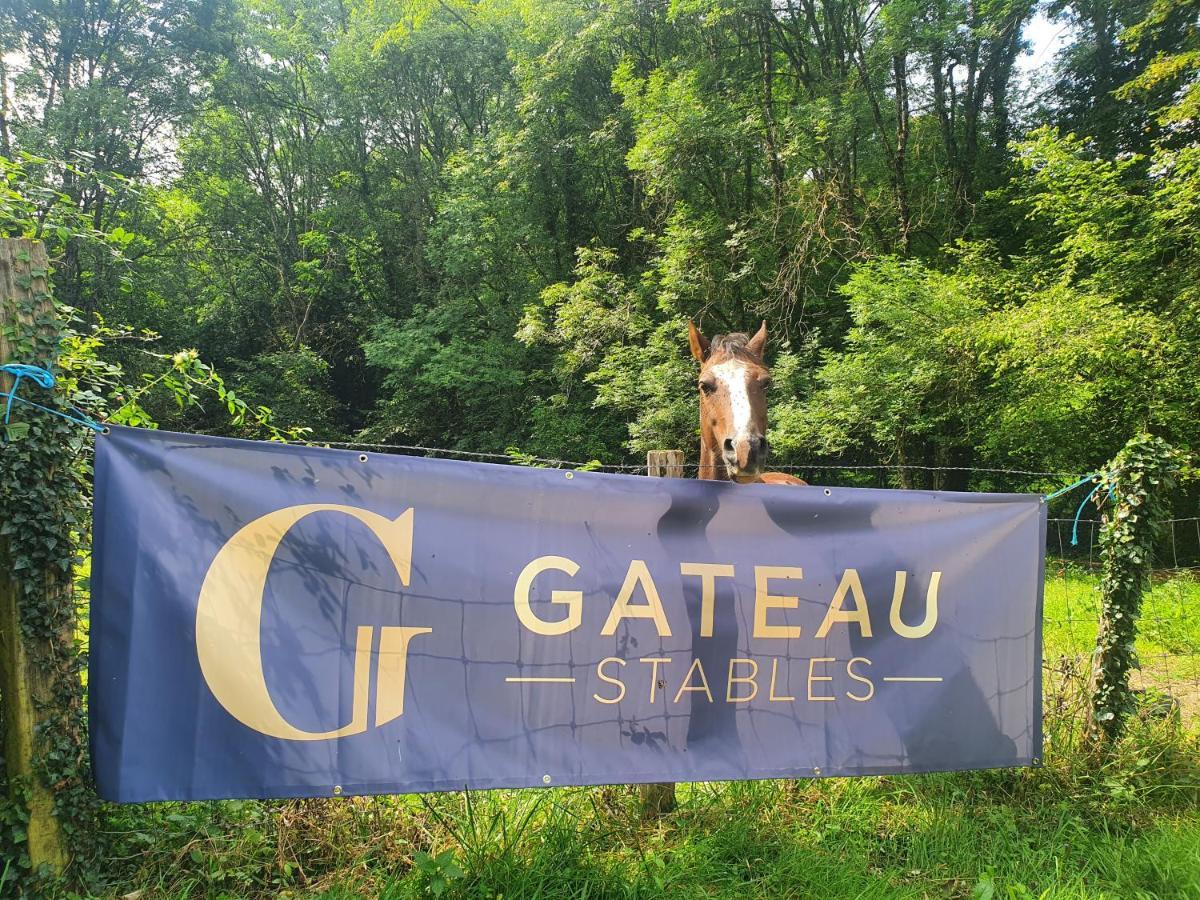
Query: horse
{"type": "Point", "coordinates": [733, 407]}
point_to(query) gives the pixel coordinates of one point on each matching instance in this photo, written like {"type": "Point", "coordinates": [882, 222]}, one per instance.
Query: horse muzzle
{"type": "Point", "coordinates": [744, 456]}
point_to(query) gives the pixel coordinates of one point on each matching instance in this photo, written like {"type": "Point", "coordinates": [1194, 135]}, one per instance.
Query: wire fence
{"type": "Point", "coordinates": [1168, 643]}
{"type": "Point", "coordinates": [1168, 646]}
{"type": "Point", "coordinates": [858, 471]}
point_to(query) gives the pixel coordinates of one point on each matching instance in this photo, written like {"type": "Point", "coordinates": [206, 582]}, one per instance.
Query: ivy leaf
{"type": "Point", "coordinates": [16, 431]}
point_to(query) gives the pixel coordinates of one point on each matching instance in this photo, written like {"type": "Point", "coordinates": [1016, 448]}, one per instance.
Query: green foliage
{"type": "Point", "coordinates": [1140, 478]}
{"type": "Point", "coordinates": [1049, 358]}
{"type": "Point", "coordinates": [294, 386]}
{"type": "Point", "coordinates": [482, 225]}
{"type": "Point", "coordinates": [1169, 30]}
{"type": "Point", "coordinates": [440, 872]}
{"type": "Point", "coordinates": [905, 383]}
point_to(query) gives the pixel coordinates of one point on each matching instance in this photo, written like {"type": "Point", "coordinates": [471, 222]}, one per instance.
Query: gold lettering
{"type": "Point", "coordinates": [655, 662]}
{"type": "Point", "coordinates": [573, 600]}
{"type": "Point", "coordinates": [393, 666]}
{"type": "Point", "coordinates": [763, 601]}
{"type": "Point", "coordinates": [931, 607]}
{"type": "Point", "coordinates": [229, 624]}
{"type": "Point", "coordinates": [748, 679]}
{"type": "Point", "coordinates": [850, 584]}
{"type": "Point", "coordinates": [771, 697]}
{"type": "Point", "coordinates": [867, 681]}
{"type": "Point", "coordinates": [653, 609]}
{"type": "Point", "coordinates": [703, 686]}
{"type": "Point", "coordinates": [812, 677]}
{"type": "Point", "coordinates": [709, 573]}
{"type": "Point", "coordinates": [617, 681]}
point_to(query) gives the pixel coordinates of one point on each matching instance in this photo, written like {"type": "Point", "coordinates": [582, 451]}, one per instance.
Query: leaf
{"type": "Point", "coordinates": [16, 431]}
{"type": "Point", "coordinates": [985, 888]}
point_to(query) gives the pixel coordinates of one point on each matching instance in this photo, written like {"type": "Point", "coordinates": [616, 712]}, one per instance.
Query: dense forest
{"type": "Point", "coordinates": [484, 225]}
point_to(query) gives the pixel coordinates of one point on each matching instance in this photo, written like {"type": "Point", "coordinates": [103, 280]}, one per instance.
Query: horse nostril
{"type": "Point", "coordinates": [728, 445]}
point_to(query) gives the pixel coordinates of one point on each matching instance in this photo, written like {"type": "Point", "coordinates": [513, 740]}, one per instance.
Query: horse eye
{"type": "Point", "coordinates": [708, 386]}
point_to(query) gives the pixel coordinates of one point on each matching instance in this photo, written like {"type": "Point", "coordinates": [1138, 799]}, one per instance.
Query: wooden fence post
{"type": "Point", "coordinates": [660, 798]}
{"type": "Point", "coordinates": [28, 332]}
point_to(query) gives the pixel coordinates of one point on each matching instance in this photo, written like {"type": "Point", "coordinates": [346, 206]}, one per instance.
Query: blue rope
{"type": "Point", "coordinates": [1100, 478]}
{"type": "Point", "coordinates": [43, 378]}
{"type": "Point", "coordinates": [1070, 487]}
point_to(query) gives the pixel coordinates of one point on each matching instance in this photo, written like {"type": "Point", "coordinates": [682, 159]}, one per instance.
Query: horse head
{"type": "Point", "coordinates": [733, 404]}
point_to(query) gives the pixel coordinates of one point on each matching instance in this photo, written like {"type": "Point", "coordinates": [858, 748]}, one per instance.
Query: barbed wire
{"type": "Point", "coordinates": [515, 458]}
{"type": "Point", "coordinates": [520, 458]}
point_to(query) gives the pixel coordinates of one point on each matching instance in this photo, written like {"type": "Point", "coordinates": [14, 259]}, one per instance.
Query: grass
{"type": "Point", "coordinates": [1168, 631]}
{"type": "Point", "coordinates": [1129, 827]}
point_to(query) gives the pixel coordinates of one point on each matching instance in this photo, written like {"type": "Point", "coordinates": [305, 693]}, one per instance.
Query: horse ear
{"type": "Point", "coordinates": [697, 341]}
{"type": "Point", "coordinates": [758, 343]}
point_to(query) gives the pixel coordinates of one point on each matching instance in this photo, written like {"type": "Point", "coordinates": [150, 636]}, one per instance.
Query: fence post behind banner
{"type": "Point", "coordinates": [1140, 478]}
{"type": "Point", "coordinates": [28, 680]}
{"type": "Point", "coordinates": [660, 798]}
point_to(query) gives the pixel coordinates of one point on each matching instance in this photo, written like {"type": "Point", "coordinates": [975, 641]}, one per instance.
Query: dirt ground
{"type": "Point", "coordinates": [1156, 676]}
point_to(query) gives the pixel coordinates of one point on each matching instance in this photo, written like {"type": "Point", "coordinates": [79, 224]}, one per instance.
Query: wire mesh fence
{"type": "Point", "coordinates": [1168, 642]}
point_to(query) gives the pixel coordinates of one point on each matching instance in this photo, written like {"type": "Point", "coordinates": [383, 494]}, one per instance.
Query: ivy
{"type": "Point", "coordinates": [42, 494]}
{"type": "Point", "coordinates": [1140, 479]}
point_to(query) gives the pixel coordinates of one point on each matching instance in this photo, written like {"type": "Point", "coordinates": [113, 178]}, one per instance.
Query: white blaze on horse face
{"type": "Point", "coordinates": [734, 376]}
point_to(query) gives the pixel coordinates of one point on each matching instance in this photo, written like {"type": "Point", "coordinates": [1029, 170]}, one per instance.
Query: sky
{"type": "Point", "coordinates": [1046, 38]}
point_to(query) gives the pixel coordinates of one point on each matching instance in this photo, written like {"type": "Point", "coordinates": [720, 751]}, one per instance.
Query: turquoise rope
{"type": "Point", "coordinates": [1099, 478]}
{"type": "Point", "coordinates": [1070, 487]}
{"type": "Point", "coordinates": [43, 378]}
{"type": "Point", "coordinates": [18, 371]}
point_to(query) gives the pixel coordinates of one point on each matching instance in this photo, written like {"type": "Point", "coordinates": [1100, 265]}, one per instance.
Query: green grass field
{"type": "Point", "coordinates": [1168, 630]}
{"type": "Point", "coordinates": [1127, 828]}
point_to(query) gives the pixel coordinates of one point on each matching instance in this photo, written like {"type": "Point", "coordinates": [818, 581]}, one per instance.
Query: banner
{"type": "Point", "coordinates": [283, 621]}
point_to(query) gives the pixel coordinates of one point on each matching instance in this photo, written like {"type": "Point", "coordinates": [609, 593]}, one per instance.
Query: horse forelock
{"type": "Point", "coordinates": [734, 346]}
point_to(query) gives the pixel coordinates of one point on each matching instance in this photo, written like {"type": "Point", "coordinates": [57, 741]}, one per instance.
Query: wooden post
{"type": "Point", "coordinates": [660, 798]}
{"type": "Point", "coordinates": [665, 463]}
{"type": "Point", "coordinates": [26, 687]}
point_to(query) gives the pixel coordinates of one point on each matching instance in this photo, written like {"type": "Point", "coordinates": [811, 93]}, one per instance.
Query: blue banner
{"type": "Point", "coordinates": [285, 621]}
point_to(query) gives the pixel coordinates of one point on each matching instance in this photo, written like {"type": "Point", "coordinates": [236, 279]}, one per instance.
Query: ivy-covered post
{"type": "Point", "coordinates": [1140, 479]}
{"type": "Point", "coordinates": [45, 796]}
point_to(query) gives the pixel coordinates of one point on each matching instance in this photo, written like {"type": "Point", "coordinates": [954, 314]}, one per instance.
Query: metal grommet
{"type": "Point", "coordinates": [817, 770]}
{"type": "Point", "coordinates": [546, 779]}
{"type": "Point", "coordinates": [1037, 761]}
{"type": "Point", "coordinates": [337, 790]}
{"type": "Point", "coordinates": [570, 475]}
{"type": "Point", "coordinates": [362, 457]}
{"type": "Point", "coordinates": [828, 492]}
{"type": "Point", "coordinates": [106, 430]}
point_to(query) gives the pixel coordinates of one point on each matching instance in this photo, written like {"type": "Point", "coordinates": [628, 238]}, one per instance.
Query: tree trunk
{"type": "Point", "coordinates": [28, 676]}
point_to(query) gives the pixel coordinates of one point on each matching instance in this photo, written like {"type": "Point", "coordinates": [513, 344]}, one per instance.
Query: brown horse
{"type": "Point", "coordinates": [733, 407]}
